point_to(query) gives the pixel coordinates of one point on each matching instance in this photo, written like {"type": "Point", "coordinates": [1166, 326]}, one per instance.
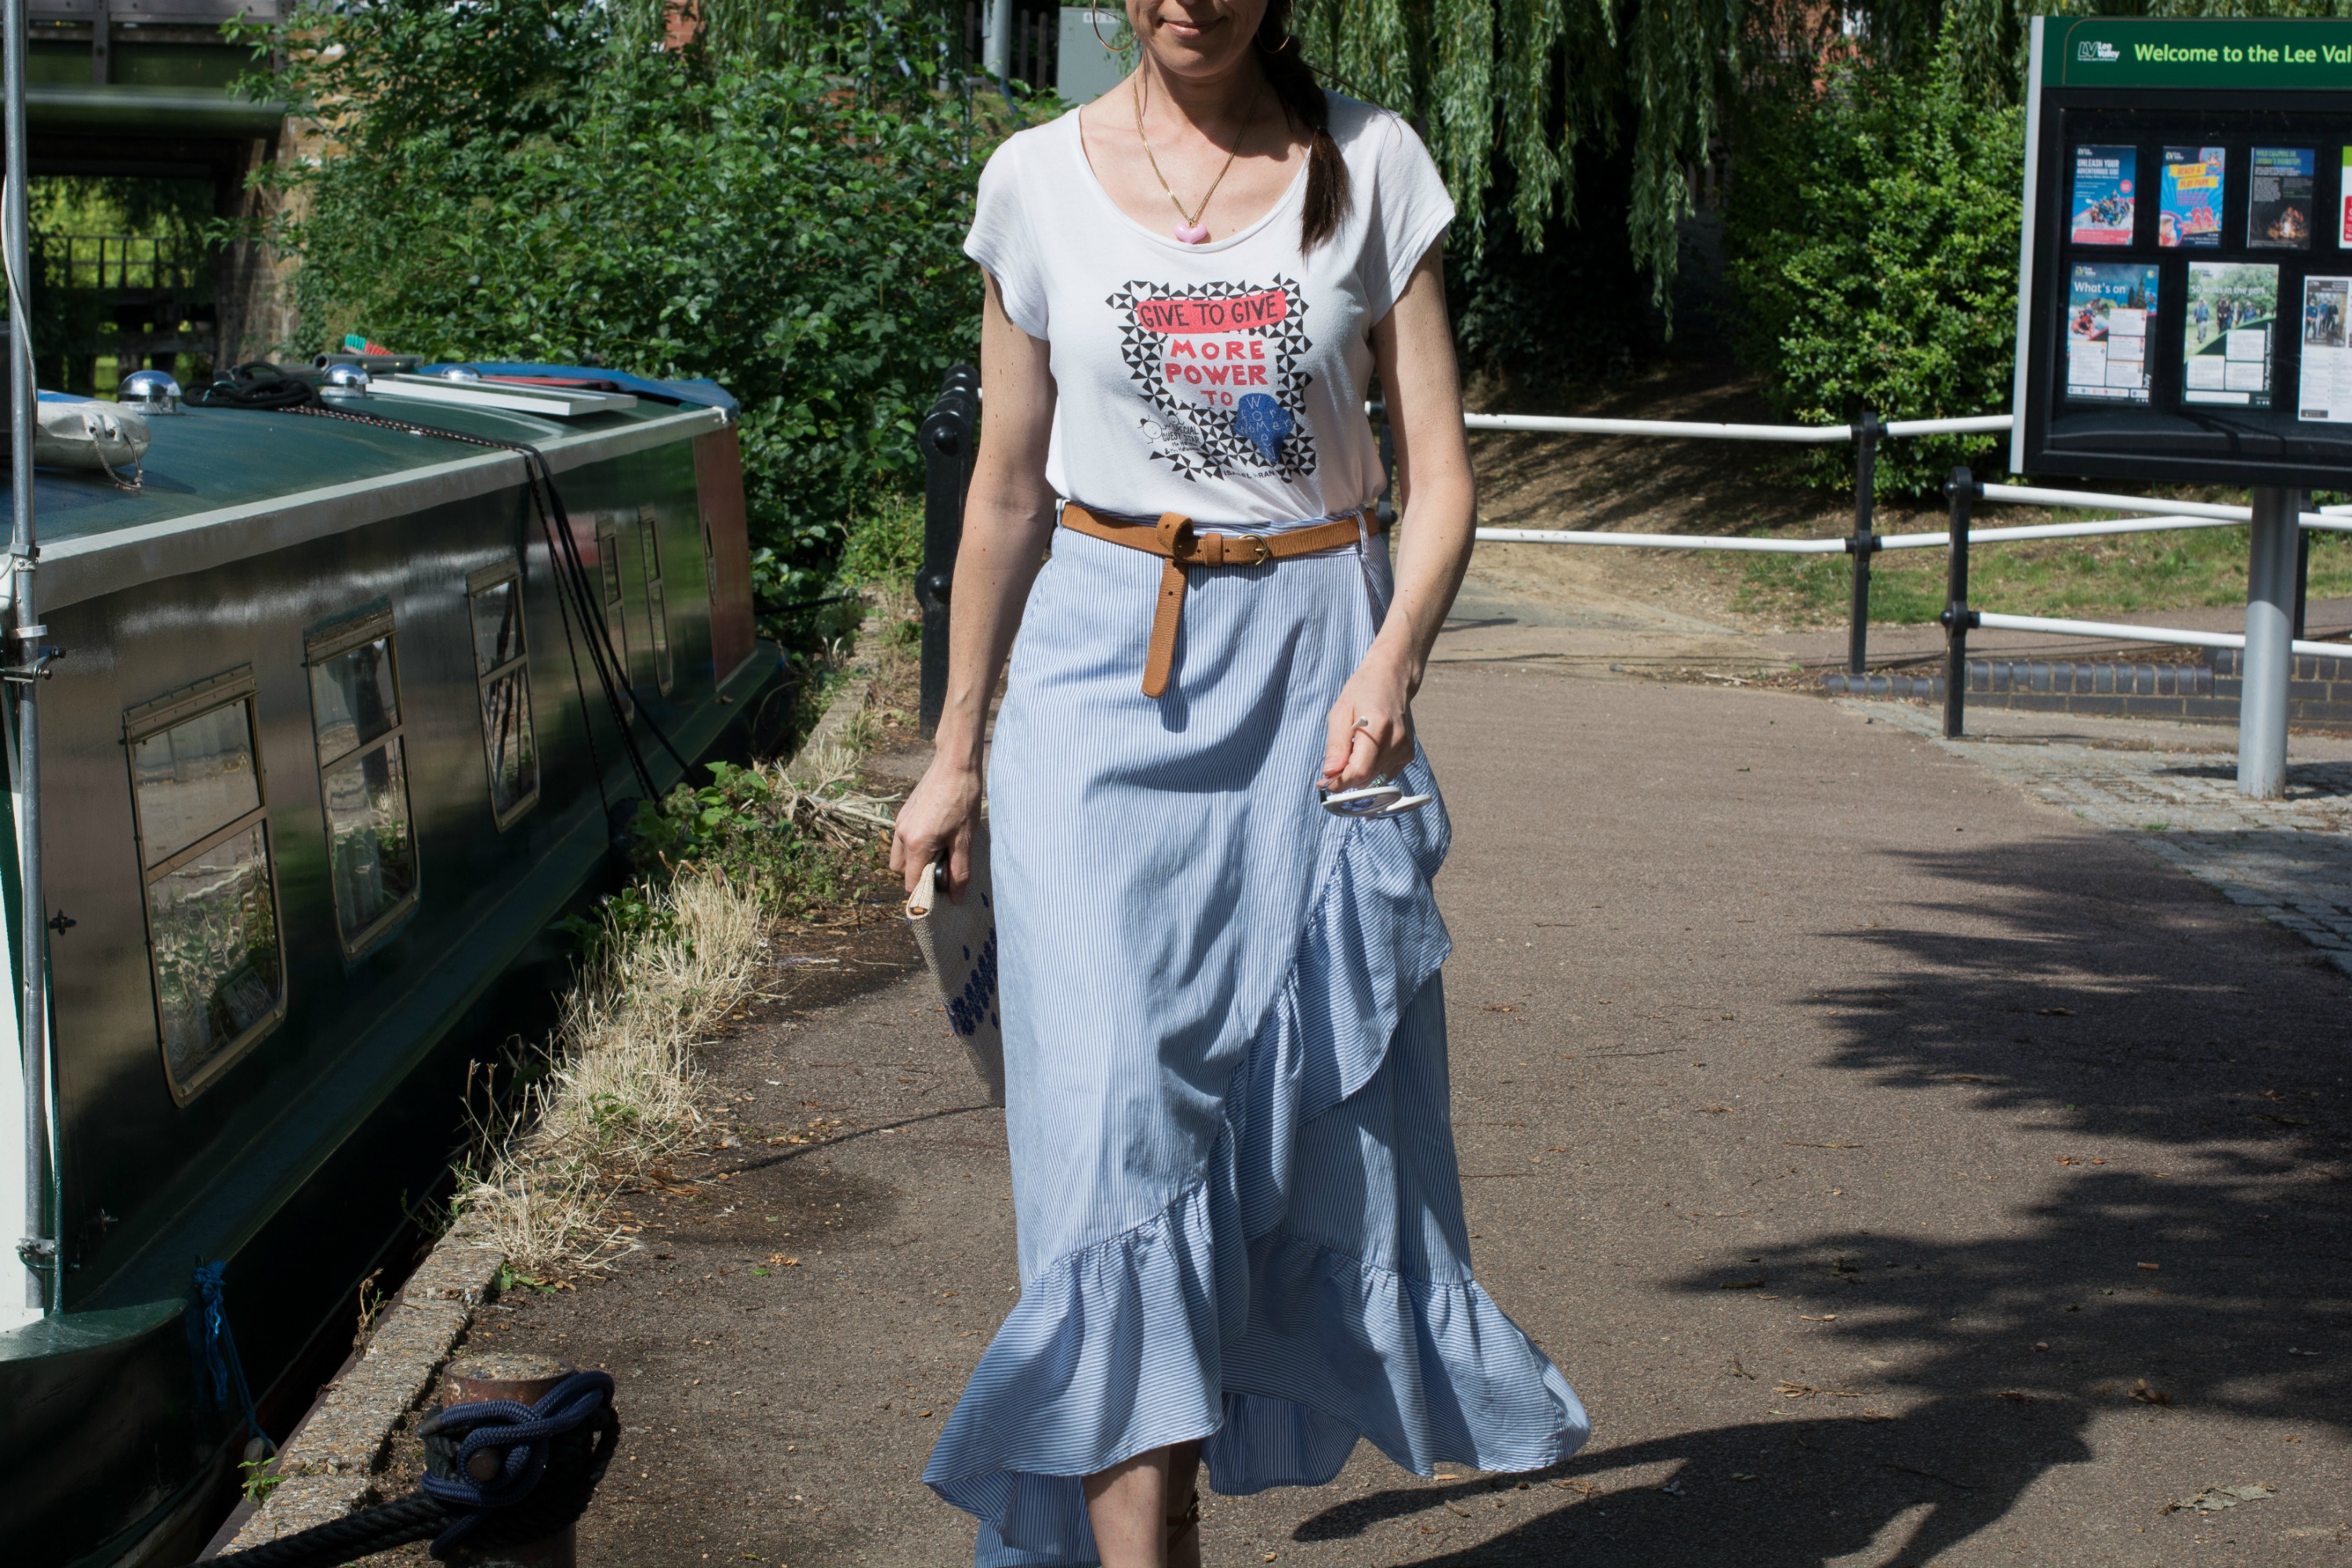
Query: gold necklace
{"type": "Point", "coordinates": [1192, 231]}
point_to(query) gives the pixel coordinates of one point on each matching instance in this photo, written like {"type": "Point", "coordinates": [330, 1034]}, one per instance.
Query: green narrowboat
{"type": "Point", "coordinates": [323, 751]}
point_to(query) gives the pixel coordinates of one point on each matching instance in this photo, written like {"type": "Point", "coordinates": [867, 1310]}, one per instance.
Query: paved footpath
{"type": "Point", "coordinates": [2173, 788]}
{"type": "Point", "coordinates": [1904, 1170]}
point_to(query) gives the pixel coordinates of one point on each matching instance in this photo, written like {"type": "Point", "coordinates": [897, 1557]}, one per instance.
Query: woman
{"type": "Point", "coordinates": [1240, 1219]}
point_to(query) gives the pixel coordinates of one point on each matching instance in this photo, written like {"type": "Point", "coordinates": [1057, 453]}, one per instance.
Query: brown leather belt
{"type": "Point", "coordinates": [1174, 542]}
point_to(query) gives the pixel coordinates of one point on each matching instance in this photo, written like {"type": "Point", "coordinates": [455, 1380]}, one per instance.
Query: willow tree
{"type": "Point", "coordinates": [1526, 82]}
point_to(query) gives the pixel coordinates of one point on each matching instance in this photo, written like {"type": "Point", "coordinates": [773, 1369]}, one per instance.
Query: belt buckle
{"type": "Point", "coordinates": [1260, 550]}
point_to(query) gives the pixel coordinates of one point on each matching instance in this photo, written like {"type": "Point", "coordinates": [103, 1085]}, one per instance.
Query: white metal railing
{"type": "Point", "coordinates": [1700, 430]}
{"type": "Point", "coordinates": [2264, 705]}
{"type": "Point", "coordinates": [2110, 631]}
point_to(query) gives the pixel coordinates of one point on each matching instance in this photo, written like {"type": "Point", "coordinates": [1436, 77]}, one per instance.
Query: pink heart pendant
{"type": "Point", "coordinates": [1193, 233]}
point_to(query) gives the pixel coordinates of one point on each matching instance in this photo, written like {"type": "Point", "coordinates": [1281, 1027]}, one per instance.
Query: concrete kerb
{"type": "Point", "coordinates": [330, 1464]}
{"type": "Point", "coordinates": [831, 748]}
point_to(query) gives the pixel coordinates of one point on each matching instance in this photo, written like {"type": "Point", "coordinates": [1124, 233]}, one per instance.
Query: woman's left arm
{"type": "Point", "coordinates": [1370, 727]}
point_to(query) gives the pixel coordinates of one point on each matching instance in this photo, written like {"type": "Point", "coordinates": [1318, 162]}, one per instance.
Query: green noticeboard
{"type": "Point", "coordinates": [2185, 277]}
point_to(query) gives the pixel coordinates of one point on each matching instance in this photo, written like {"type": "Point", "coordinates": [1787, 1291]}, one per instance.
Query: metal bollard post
{"type": "Point", "coordinates": [949, 438]}
{"type": "Point", "coordinates": [1864, 544]}
{"type": "Point", "coordinates": [2269, 658]}
{"type": "Point", "coordinates": [1963, 490]}
{"type": "Point", "coordinates": [525, 1379]}
{"type": "Point", "coordinates": [2302, 577]}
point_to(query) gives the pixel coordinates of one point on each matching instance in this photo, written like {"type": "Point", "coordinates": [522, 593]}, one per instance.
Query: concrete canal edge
{"type": "Point", "coordinates": [831, 746]}
{"type": "Point", "coordinates": [329, 1466]}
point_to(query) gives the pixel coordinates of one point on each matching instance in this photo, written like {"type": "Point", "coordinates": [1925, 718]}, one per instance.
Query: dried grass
{"type": "Point", "coordinates": [618, 1089]}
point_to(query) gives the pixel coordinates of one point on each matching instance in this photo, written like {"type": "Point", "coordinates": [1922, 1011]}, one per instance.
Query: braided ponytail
{"type": "Point", "coordinates": [1302, 100]}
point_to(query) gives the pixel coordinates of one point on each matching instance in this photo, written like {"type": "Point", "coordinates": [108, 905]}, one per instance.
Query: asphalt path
{"type": "Point", "coordinates": [1902, 1171]}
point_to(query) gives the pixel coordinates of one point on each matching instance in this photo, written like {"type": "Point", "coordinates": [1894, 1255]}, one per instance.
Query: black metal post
{"type": "Point", "coordinates": [949, 437]}
{"type": "Point", "coordinates": [1963, 490]}
{"type": "Point", "coordinates": [1864, 544]}
{"type": "Point", "coordinates": [2302, 576]}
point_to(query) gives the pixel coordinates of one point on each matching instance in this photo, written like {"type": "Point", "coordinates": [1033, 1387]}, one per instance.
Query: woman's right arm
{"type": "Point", "coordinates": [1008, 521]}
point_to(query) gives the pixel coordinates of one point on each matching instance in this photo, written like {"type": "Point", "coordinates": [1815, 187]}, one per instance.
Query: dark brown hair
{"type": "Point", "coordinates": [1302, 100]}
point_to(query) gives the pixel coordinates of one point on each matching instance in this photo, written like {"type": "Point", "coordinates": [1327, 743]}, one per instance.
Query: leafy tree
{"type": "Point", "coordinates": [1873, 238]}
{"type": "Point", "coordinates": [780, 207]}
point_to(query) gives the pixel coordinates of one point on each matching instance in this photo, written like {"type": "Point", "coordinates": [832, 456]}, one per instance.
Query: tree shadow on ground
{"type": "Point", "coordinates": [2189, 1063]}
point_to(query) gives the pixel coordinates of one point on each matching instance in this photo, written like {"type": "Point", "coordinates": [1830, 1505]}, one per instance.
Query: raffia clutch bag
{"type": "Point", "coordinates": [957, 941]}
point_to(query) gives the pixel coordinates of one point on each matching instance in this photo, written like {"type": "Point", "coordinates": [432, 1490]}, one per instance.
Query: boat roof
{"type": "Point", "coordinates": [221, 483]}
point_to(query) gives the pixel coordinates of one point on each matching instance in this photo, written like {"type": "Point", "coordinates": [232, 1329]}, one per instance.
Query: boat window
{"type": "Point", "coordinates": [656, 604]}
{"type": "Point", "coordinates": [616, 615]}
{"type": "Point", "coordinates": [503, 675]}
{"type": "Point", "coordinates": [709, 559]}
{"type": "Point", "coordinates": [212, 937]}
{"type": "Point", "coordinates": [364, 777]}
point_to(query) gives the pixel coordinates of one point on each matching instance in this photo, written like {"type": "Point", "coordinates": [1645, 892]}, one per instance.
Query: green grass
{"type": "Point", "coordinates": [2083, 578]}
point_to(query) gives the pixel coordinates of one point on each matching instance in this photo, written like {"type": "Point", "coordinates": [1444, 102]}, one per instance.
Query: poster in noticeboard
{"type": "Point", "coordinates": [2189, 216]}
{"type": "Point", "coordinates": [2103, 210]}
{"type": "Point", "coordinates": [2226, 341]}
{"type": "Point", "coordinates": [2111, 308]}
{"type": "Point", "coordinates": [2278, 198]}
{"type": "Point", "coordinates": [2325, 395]}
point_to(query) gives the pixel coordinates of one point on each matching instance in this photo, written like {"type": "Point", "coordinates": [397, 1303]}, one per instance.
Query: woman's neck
{"type": "Point", "coordinates": [1221, 101]}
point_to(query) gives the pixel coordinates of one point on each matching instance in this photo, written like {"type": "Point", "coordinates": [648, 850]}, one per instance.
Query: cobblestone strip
{"type": "Point", "coordinates": [2288, 860]}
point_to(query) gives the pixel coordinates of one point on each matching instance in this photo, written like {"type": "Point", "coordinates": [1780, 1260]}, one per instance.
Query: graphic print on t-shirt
{"type": "Point", "coordinates": [1219, 364]}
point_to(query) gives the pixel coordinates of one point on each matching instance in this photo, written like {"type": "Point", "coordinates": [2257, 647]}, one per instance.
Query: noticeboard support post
{"type": "Point", "coordinates": [2270, 555]}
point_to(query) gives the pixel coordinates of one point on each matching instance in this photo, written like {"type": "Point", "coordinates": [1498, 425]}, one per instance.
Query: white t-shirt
{"type": "Point", "coordinates": [1221, 381]}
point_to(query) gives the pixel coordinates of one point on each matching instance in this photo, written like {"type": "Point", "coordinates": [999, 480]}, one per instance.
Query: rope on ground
{"type": "Point", "coordinates": [499, 1473]}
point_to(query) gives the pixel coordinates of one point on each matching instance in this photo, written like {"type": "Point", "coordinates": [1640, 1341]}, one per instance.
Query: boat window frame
{"type": "Point", "coordinates": [613, 596]}
{"type": "Point", "coordinates": [612, 592]}
{"type": "Point", "coordinates": [486, 578]}
{"type": "Point", "coordinates": [143, 721]}
{"type": "Point", "coordinates": [318, 647]}
{"type": "Point", "coordinates": [656, 597]}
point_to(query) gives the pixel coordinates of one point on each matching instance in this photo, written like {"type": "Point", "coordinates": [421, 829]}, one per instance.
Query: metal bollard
{"type": "Point", "coordinates": [949, 437]}
{"type": "Point", "coordinates": [1864, 544]}
{"type": "Point", "coordinates": [2269, 662]}
{"type": "Point", "coordinates": [525, 1379]}
{"type": "Point", "coordinates": [1963, 491]}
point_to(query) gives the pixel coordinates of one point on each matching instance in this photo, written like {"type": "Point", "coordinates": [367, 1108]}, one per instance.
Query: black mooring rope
{"type": "Point", "coordinates": [542, 1463]}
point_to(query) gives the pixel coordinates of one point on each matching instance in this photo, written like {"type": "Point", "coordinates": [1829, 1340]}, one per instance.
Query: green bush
{"type": "Point", "coordinates": [1870, 231]}
{"type": "Point", "coordinates": [527, 179]}
{"type": "Point", "coordinates": [885, 543]}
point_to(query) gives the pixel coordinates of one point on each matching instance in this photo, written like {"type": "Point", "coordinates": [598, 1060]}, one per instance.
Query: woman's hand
{"type": "Point", "coordinates": [1370, 732]}
{"type": "Point", "coordinates": [936, 824]}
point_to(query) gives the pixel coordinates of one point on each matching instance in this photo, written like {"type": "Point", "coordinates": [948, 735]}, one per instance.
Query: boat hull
{"type": "Point", "coordinates": [301, 1157]}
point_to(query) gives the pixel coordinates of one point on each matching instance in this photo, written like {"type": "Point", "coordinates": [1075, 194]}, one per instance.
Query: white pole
{"type": "Point", "coordinates": [998, 61]}
{"type": "Point", "coordinates": [32, 1099]}
{"type": "Point", "coordinates": [2270, 629]}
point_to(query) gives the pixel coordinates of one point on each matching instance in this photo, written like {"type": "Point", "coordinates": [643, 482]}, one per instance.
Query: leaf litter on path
{"type": "Point", "coordinates": [2213, 1500]}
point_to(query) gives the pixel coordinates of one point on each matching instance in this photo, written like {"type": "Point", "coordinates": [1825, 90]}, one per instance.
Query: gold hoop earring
{"type": "Point", "coordinates": [1094, 19]}
{"type": "Point", "coordinates": [1289, 40]}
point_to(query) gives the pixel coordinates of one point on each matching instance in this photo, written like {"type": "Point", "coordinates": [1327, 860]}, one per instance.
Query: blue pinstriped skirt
{"type": "Point", "coordinates": [1225, 1037]}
